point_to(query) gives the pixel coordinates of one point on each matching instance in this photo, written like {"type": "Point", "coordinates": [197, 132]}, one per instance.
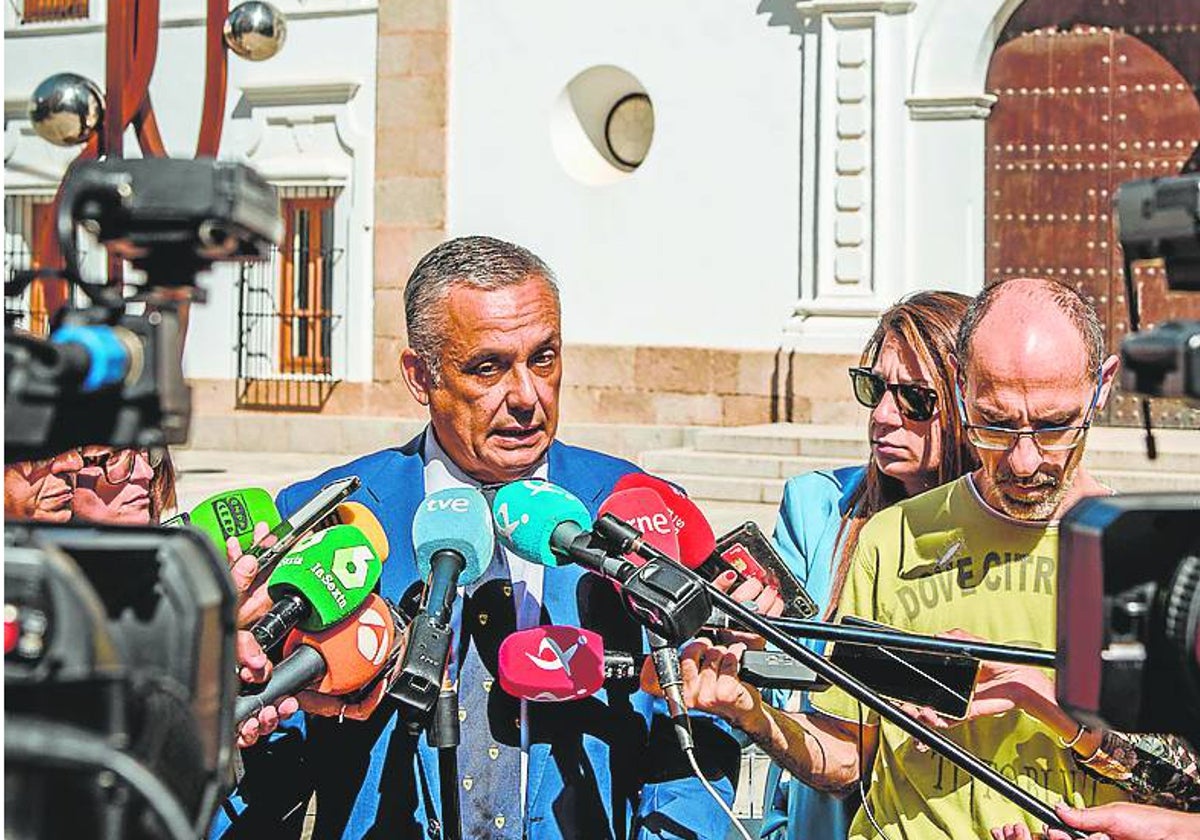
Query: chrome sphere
{"type": "Point", "coordinates": [66, 109]}
{"type": "Point", "coordinates": [255, 30]}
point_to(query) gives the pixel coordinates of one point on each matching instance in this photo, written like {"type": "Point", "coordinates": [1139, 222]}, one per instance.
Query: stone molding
{"type": "Point", "coordinates": [964, 107]}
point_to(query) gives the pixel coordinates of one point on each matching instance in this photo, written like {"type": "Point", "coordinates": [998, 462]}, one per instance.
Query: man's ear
{"type": "Point", "coordinates": [416, 375]}
{"type": "Point", "coordinates": [1108, 377]}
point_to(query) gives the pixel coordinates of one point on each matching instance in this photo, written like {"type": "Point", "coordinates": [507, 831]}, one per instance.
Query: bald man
{"type": "Point", "coordinates": [978, 555]}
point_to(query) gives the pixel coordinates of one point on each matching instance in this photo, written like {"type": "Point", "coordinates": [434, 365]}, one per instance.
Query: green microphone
{"type": "Point", "coordinates": [326, 577]}
{"type": "Point", "coordinates": [538, 520]}
{"type": "Point", "coordinates": [232, 513]}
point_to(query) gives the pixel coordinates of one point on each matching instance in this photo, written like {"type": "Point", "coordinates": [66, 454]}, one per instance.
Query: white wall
{"type": "Point", "coordinates": [327, 41]}
{"type": "Point", "coordinates": [698, 247]}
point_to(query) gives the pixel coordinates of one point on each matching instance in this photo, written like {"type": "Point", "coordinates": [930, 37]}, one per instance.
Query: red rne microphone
{"type": "Point", "coordinates": [645, 510]}
{"type": "Point", "coordinates": [697, 544]}
{"type": "Point", "coordinates": [552, 663]}
{"type": "Point", "coordinates": [338, 660]}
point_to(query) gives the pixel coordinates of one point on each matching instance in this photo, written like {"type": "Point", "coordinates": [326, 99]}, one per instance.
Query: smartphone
{"type": "Point", "coordinates": [942, 681]}
{"type": "Point", "coordinates": [291, 530]}
{"type": "Point", "coordinates": [748, 550]}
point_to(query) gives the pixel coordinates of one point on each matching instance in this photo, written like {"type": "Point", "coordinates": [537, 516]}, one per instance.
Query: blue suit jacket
{"type": "Point", "coordinates": [606, 766]}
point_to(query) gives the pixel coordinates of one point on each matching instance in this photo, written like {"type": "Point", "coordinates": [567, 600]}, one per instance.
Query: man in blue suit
{"type": "Point", "coordinates": [484, 356]}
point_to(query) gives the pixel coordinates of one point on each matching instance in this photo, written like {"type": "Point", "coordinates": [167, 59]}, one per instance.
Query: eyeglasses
{"type": "Point", "coordinates": [118, 464]}
{"type": "Point", "coordinates": [916, 402]}
{"type": "Point", "coordinates": [1046, 439]}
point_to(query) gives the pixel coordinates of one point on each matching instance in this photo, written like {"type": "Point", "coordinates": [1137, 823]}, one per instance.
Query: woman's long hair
{"type": "Point", "coordinates": [162, 488]}
{"type": "Point", "coordinates": [926, 323]}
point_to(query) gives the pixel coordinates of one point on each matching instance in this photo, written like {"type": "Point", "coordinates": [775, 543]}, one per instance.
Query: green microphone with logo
{"type": "Point", "coordinates": [325, 578]}
{"type": "Point", "coordinates": [232, 513]}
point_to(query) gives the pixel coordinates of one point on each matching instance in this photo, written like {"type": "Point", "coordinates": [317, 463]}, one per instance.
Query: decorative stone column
{"type": "Point", "coordinates": [852, 140]}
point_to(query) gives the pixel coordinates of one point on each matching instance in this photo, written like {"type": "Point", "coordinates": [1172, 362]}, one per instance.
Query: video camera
{"type": "Point", "coordinates": [1129, 566]}
{"type": "Point", "coordinates": [107, 376]}
{"type": "Point", "coordinates": [1129, 612]}
{"type": "Point", "coordinates": [1159, 218]}
{"type": "Point", "coordinates": [119, 663]}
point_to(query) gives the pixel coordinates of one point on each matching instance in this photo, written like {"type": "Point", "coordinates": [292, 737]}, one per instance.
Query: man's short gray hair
{"type": "Point", "coordinates": [478, 262]}
{"type": "Point", "coordinates": [1081, 314]}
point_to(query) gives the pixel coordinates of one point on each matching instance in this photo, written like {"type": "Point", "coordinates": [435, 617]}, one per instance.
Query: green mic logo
{"type": "Point", "coordinates": [232, 516]}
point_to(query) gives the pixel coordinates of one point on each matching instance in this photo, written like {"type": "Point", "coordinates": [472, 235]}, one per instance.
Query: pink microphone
{"type": "Point", "coordinates": [552, 663]}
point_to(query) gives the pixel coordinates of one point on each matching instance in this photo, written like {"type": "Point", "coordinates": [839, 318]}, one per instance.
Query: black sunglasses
{"type": "Point", "coordinates": [916, 402]}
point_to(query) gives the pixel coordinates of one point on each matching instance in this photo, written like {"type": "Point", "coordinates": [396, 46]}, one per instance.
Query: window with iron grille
{"type": "Point", "coordinates": [39, 11]}
{"type": "Point", "coordinates": [30, 243]}
{"type": "Point", "coordinates": [286, 352]}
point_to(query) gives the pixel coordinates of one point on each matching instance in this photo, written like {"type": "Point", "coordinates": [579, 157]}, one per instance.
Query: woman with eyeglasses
{"type": "Point", "coordinates": [124, 486]}
{"type": "Point", "coordinates": [904, 377]}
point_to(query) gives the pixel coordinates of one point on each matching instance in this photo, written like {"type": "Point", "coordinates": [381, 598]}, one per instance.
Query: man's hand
{"type": "Point", "coordinates": [253, 600]}
{"type": "Point", "coordinates": [1116, 821]}
{"type": "Point", "coordinates": [999, 688]}
{"type": "Point", "coordinates": [254, 667]}
{"type": "Point", "coordinates": [710, 681]}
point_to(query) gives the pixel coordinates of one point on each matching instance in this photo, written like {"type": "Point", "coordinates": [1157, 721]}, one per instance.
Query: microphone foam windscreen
{"type": "Point", "coordinates": [696, 539]}
{"type": "Point", "coordinates": [354, 650]}
{"type": "Point", "coordinates": [552, 663]}
{"type": "Point", "coordinates": [334, 569]}
{"type": "Point", "coordinates": [526, 513]}
{"type": "Point", "coordinates": [361, 517]}
{"type": "Point", "coordinates": [455, 519]}
{"type": "Point", "coordinates": [645, 510]}
{"type": "Point", "coordinates": [234, 513]}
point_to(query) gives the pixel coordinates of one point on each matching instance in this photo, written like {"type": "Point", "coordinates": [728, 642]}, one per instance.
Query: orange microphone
{"type": "Point", "coordinates": [338, 660]}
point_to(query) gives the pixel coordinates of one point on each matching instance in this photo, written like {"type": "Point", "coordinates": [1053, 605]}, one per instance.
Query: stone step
{"type": "Point", "coordinates": [704, 488]}
{"type": "Point", "coordinates": [739, 465]}
{"type": "Point", "coordinates": [1149, 481]}
{"type": "Point", "coordinates": [1107, 448]}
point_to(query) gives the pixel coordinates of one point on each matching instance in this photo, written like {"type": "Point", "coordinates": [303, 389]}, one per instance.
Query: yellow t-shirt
{"type": "Point", "coordinates": [945, 560]}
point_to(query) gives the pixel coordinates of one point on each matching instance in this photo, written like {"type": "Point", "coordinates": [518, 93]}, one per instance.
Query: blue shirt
{"type": "Point", "coordinates": [807, 536]}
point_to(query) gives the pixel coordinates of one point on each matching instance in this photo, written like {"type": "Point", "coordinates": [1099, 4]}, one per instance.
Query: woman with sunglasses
{"type": "Point", "coordinates": [124, 486]}
{"type": "Point", "coordinates": [916, 444]}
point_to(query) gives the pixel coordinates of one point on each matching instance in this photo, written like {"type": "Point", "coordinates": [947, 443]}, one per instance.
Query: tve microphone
{"type": "Point", "coordinates": [453, 543]}
{"type": "Point", "coordinates": [555, 662]}
{"type": "Point", "coordinates": [338, 660]}
{"type": "Point", "coordinates": [233, 513]}
{"type": "Point", "coordinates": [328, 575]}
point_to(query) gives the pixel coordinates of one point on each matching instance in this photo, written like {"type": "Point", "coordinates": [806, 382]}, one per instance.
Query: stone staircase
{"type": "Point", "coordinates": [744, 468]}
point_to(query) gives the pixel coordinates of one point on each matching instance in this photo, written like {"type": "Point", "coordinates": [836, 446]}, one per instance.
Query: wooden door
{"type": "Point", "coordinates": [1089, 95]}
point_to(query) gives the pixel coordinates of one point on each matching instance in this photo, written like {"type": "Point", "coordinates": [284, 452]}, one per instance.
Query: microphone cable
{"type": "Point", "coordinates": [691, 757]}
{"type": "Point", "coordinates": [862, 770]}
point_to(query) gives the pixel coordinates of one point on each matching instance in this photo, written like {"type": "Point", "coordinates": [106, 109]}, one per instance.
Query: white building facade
{"type": "Point", "coordinates": [799, 167]}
